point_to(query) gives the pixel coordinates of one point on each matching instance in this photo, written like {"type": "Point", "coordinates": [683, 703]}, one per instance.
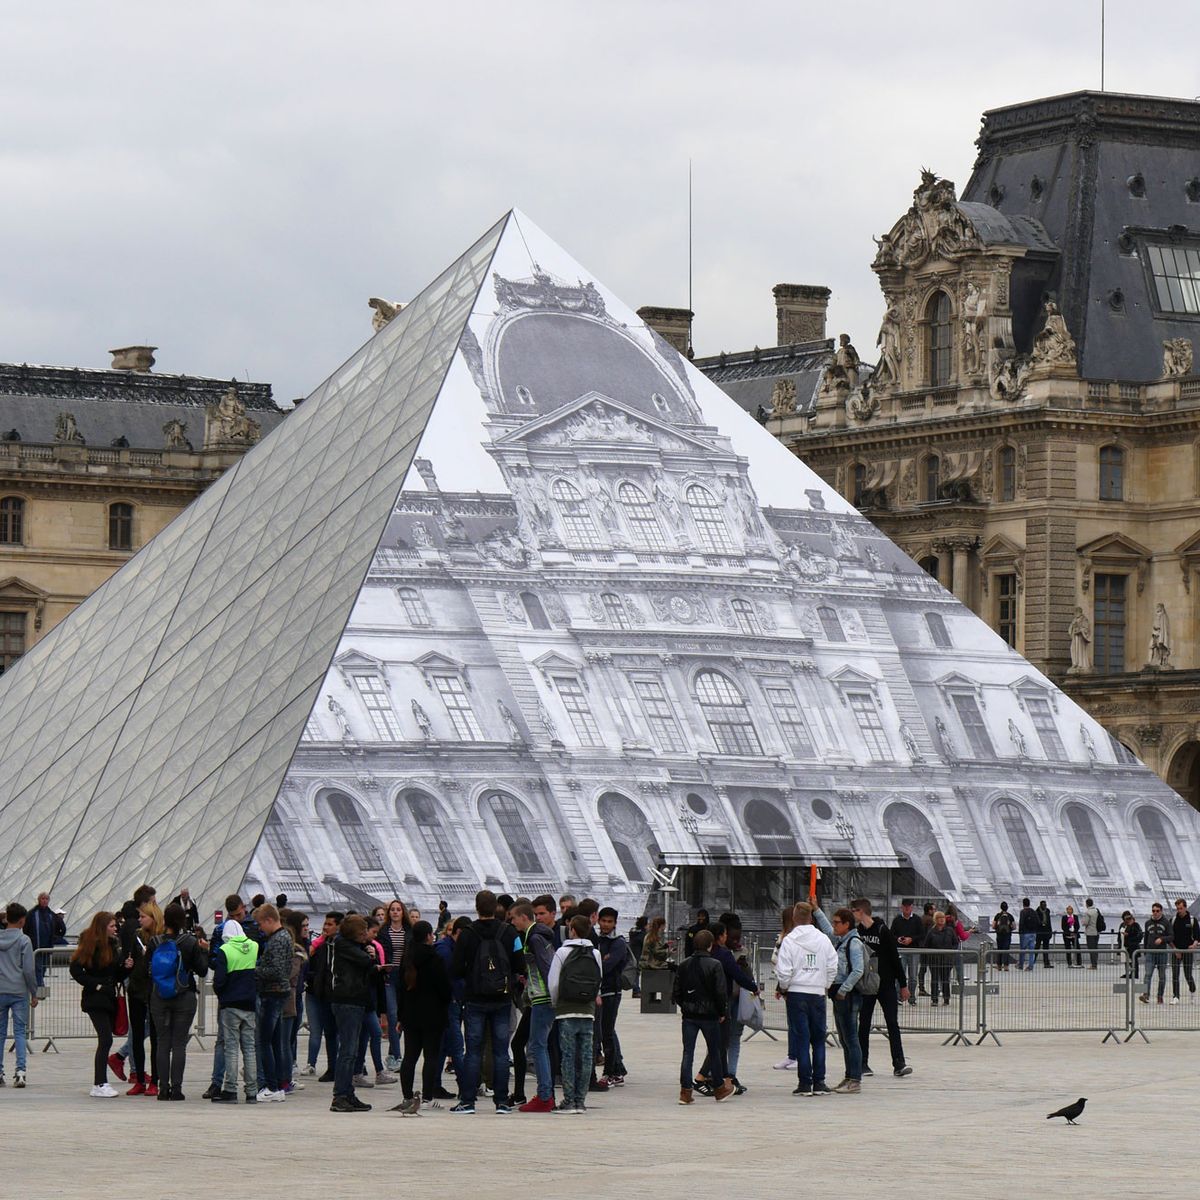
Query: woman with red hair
{"type": "Point", "coordinates": [98, 968]}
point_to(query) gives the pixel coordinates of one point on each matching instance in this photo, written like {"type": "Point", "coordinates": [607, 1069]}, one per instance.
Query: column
{"type": "Point", "coordinates": [959, 579]}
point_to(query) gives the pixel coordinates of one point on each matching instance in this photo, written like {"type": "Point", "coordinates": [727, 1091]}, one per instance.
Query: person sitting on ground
{"type": "Point", "coordinates": [98, 968]}
{"type": "Point", "coordinates": [233, 965]}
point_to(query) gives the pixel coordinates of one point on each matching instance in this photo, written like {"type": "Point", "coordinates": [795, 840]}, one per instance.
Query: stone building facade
{"type": "Point", "coordinates": [1030, 432]}
{"type": "Point", "coordinates": [93, 464]}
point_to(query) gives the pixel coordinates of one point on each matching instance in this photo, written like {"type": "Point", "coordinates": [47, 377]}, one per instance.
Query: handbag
{"type": "Point", "coordinates": [749, 1010]}
{"type": "Point", "coordinates": [121, 1022]}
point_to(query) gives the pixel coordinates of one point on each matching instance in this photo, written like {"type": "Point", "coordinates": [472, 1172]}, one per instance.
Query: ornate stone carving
{"type": "Point", "coordinates": [841, 372]}
{"type": "Point", "coordinates": [973, 323]}
{"type": "Point", "coordinates": [226, 423]}
{"type": "Point", "coordinates": [548, 723]}
{"type": "Point", "coordinates": [1160, 639]}
{"type": "Point", "coordinates": [910, 743]}
{"type": "Point", "coordinates": [933, 227]}
{"type": "Point", "coordinates": [66, 430]}
{"type": "Point", "coordinates": [510, 722]}
{"type": "Point", "coordinates": [555, 609]}
{"type": "Point", "coordinates": [887, 369]}
{"type": "Point", "coordinates": [1081, 644]}
{"type": "Point", "coordinates": [1018, 739]}
{"type": "Point", "coordinates": [1085, 736]}
{"type": "Point", "coordinates": [1177, 357]}
{"type": "Point", "coordinates": [174, 432]}
{"type": "Point", "coordinates": [844, 545]}
{"type": "Point", "coordinates": [766, 616]}
{"type": "Point", "coordinates": [385, 311]}
{"type": "Point", "coordinates": [945, 742]}
{"type": "Point", "coordinates": [1054, 346]}
{"type": "Point", "coordinates": [503, 548]}
{"type": "Point", "coordinates": [423, 722]}
{"type": "Point", "coordinates": [863, 404]}
{"type": "Point", "coordinates": [596, 609]}
{"type": "Point", "coordinates": [1149, 735]}
{"type": "Point", "coordinates": [783, 397]}
{"type": "Point", "coordinates": [1007, 377]}
{"type": "Point", "coordinates": [339, 715]}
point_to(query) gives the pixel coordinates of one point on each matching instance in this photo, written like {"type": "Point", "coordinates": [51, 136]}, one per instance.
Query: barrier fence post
{"type": "Point", "coordinates": [985, 984]}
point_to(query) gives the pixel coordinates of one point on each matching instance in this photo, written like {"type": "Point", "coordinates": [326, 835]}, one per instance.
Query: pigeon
{"type": "Point", "coordinates": [1070, 1112]}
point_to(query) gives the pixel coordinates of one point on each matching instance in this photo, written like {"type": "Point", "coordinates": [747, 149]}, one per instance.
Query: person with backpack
{"type": "Point", "coordinates": [1003, 924]}
{"type": "Point", "coordinates": [176, 959]}
{"type": "Point", "coordinates": [18, 986]}
{"type": "Point", "coordinates": [891, 990]}
{"type": "Point", "coordinates": [354, 983]}
{"type": "Point", "coordinates": [535, 923]}
{"type": "Point", "coordinates": [487, 957]}
{"type": "Point", "coordinates": [233, 964]}
{"type": "Point", "coordinates": [424, 1008]}
{"type": "Point", "coordinates": [847, 999]}
{"type": "Point", "coordinates": [712, 1073]}
{"type": "Point", "coordinates": [1094, 925]}
{"type": "Point", "coordinates": [700, 994]}
{"type": "Point", "coordinates": [98, 968]}
{"type": "Point", "coordinates": [574, 983]}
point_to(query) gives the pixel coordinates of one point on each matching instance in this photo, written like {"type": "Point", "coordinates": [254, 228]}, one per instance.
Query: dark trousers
{"type": "Point", "coordinates": [102, 1022]}
{"type": "Point", "coordinates": [614, 1064]}
{"type": "Point", "coordinates": [174, 1020]}
{"type": "Point", "coordinates": [807, 1027]}
{"type": "Point", "coordinates": [424, 1042]}
{"type": "Point", "coordinates": [1043, 944]}
{"type": "Point", "coordinates": [140, 1025]}
{"type": "Point", "coordinates": [347, 1019]}
{"type": "Point", "coordinates": [269, 1042]}
{"type": "Point", "coordinates": [1071, 942]}
{"type": "Point", "coordinates": [889, 1002]}
{"type": "Point", "coordinates": [520, 1060]}
{"type": "Point", "coordinates": [939, 979]}
{"type": "Point", "coordinates": [496, 1017]}
{"type": "Point", "coordinates": [1003, 943]}
{"type": "Point", "coordinates": [1093, 942]}
{"type": "Point", "coordinates": [1186, 961]}
{"type": "Point", "coordinates": [708, 1068]}
{"type": "Point", "coordinates": [710, 1030]}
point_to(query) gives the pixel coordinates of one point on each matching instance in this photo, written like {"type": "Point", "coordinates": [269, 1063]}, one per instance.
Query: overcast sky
{"type": "Point", "coordinates": [232, 185]}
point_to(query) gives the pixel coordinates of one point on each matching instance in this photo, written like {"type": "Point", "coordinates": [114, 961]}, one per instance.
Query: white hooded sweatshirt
{"type": "Point", "coordinates": [807, 961]}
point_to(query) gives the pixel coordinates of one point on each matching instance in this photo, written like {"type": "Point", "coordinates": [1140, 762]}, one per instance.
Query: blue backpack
{"type": "Point", "coordinates": [167, 971]}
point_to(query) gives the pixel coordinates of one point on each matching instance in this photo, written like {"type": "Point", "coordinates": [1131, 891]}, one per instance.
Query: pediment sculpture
{"type": "Point", "coordinates": [226, 422]}
{"type": "Point", "coordinates": [1177, 357]}
{"type": "Point", "coordinates": [934, 227]}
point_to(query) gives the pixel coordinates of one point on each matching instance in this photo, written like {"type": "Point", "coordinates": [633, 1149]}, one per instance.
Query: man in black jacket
{"type": "Point", "coordinates": [893, 987]}
{"type": "Point", "coordinates": [1045, 933]}
{"type": "Point", "coordinates": [1130, 934]}
{"type": "Point", "coordinates": [354, 982]}
{"type": "Point", "coordinates": [1185, 935]}
{"type": "Point", "coordinates": [1156, 938]}
{"type": "Point", "coordinates": [692, 930]}
{"type": "Point", "coordinates": [487, 957]}
{"type": "Point", "coordinates": [909, 931]}
{"type": "Point", "coordinates": [1027, 928]}
{"type": "Point", "coordinates": [699, 992]}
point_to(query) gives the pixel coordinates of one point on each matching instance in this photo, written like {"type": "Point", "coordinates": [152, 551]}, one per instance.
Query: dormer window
{"type": "Point", "coordinates": [939, 339]}
{"type": "Point", "coordinates": [1175, 271]}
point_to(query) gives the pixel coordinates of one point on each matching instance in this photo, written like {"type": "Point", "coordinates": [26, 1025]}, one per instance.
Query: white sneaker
{"type": "Point", "coordinates": [1174, 999]}
{"type": "Point", "coordinates": [19, 1081]}
{"type": "Point", "coordinates": [308, 1069]}
{"type": "Point", "coordinates": [363, 1081]}
{"type": "Point", "coordinates": [102, 1091]}
{"type": "Point", "coordinates": [787, 1064]}
{"type": "Point", "coordinates": [267, 1095]}
{"type": "Point", "coordinates": [383, 1078]}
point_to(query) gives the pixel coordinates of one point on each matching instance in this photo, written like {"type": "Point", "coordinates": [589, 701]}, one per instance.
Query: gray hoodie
{"type": "Point", "coordinates": [17, 977]}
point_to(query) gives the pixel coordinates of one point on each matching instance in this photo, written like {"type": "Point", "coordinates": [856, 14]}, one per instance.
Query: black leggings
{"type": "Point", "coordinates": [426, 1043]}
{"type": "Point", "coordinates": [103, 1022]}
{"type": "Point", "coordinates": [139, 1025]}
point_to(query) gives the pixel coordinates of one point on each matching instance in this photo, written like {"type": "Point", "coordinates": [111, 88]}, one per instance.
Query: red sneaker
{"type": "Point", "coordinates": [116, 1064]}
{"type": "Point", "coordinates": [151, 1089]}
{"type": "Point", "coordinates": [536, 1105]}
{"type": "Point", "coordinates": [138, 1089]}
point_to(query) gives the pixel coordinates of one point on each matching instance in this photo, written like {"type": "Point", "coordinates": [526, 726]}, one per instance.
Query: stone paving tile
{"type": "Point", "coordinates": [969, 1122]}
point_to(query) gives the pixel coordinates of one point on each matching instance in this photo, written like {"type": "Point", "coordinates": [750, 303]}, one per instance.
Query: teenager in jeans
{"type": "Point", "coordinates": [574, 1019]}
{"type": "Point", "coordinates": [233, 963]}
{"type": "Point", "coordinates": [272, 976]}
{"type": "Point", "coordinates": [355, 980]}
{"type": "Point", "coordinates": [18, 986]}
{"type": "Point", "coordinates": [700, 994]}
{"type": "Point", "coordinates": [174, 1014]}
{"type": "Point", "coordinates": [98, 968]}
{"type": "Point", "coordinates": [805, 967]}
{"type": "Point", "coordinates": [847, 1000]}
{"type": "Point", "coordinates": [535, 923]}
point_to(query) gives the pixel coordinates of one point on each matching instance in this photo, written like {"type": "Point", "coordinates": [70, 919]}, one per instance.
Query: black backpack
{"type": "Point", "coordinates": [1101, 924]}
{"type": "Point", "coordinates": [579, 979]}
{"type": "Point", "coordinates": [491, 972]}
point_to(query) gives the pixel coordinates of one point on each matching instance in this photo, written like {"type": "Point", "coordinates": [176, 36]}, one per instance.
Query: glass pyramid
{"type": "Point", "coordinates": [604, 622]}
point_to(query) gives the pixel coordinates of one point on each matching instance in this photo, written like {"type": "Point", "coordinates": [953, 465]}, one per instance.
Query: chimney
{"type": "Point", "coordinates": [800, 312]}
{"type": "Point", "coordinates": [133, 358]}
{"type": "Point", "coordinates": [673, 325]}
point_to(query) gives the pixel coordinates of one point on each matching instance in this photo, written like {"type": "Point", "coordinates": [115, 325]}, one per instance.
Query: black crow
{"type": "Point", "coordinates": [1070, 1112]}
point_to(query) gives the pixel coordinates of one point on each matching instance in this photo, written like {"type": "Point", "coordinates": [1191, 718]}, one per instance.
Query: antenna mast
{"type": "Point", "coordinates": [689, 302]}
{"type": "Point", "coordinates": [1102, 45]}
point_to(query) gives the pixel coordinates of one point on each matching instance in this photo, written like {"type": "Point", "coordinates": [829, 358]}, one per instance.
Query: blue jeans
{"type": "Point", "coordinates": [18, 1005]}
{"type": "Point", "coordinates": [541, 1022]}
{"type": "Point", "coordinates": [575, 1050]}
{"type": "Point", "coordinates": [496, 1015]}
{"type": "Point", "coordinates": [371, 1035]}
{"type": "Point", "coordinates": [393, 1012]}
{"type": "Point", "coordinates": [806, 1032]}
{"type": "Point", "coordinates": [270, 1042]}
{"type": "Point", "coordinates": [237, 1028]}
{"type": "Point", "coordinates": [845, 1013]}
{"type": "Point", "coordinates": [452, 1041]}
{"type": "Point", "coordinates": [1027, 957]}
{"type": "Point", "coordinates": [710, 1028]}
{"type": "Point", "coordinates": [287, 1039]}
{"type": "Point", "coordinates": [1156, 960]}
{"type": "Point", "coordinates": [348, 1019]}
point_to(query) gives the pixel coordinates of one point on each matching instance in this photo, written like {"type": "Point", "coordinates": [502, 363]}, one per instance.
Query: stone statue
{"type": "Point", "coordinates": [783, 397]}
{"type": "Point", "coordinates": [385, 310]}
{"type": "Point", "coordinates": [226, 421]}
{"type": "Point", "coordinates": [910, 743]}
{"type": "Point", "coordinates": [863, 404]}
{"type": "Point", "coordinates": [1008, 377]}
{"type": "Point", "coordinates": [547, 722]}
{"type": "Point", "coordinates": [1081, 644]}
{"type": "Point", "coordinates": [514, 732]}
{"type": "Point", "coordinates": [1054, 346]}
{"type": "Point", "coordinates": [974, 313]}
{"type": "Point", "coordinates": [843, 541]}
{"type": "Point", "coordinates": [847, 360]}
{"type": "Point", "coordinates": [420, 534]}
{"type": "Point", "coordinates": [174, 432]}
{"type": "Point", "coordinates": [933, 226]}
{"type": "Point", "coordinates": [603, 501]}
{"type": "Point", "coordinates": [1177, 357]}
{"type": "Point", "coordinates": [1085, 736]}
{"type": "Point", "coordinates": [945, 744]}
{"type": "Point", "coordinates": [66, 430]}
{"type": "Point", "coordinates": [423, 721]}
{"type": "Point", "coordinates": [887, 369]}
{"type": "Point", "coordinates": [339, 715]}
{"type": "Point", "coordinates": [1018, 739]}
{"type": "Point", "coordinates": [1160, 639]}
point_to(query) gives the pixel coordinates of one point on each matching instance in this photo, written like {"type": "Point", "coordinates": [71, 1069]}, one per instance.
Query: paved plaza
{"type": "Point", "coordinates": [968, 1122]}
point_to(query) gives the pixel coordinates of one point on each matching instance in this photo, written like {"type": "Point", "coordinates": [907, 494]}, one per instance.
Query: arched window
{"type": "Point", "coordinates": [279, 843]}
{"type": "Point", "coordinates": [438, 844]}
{"type": "Point", "coordinates": [1158, 843]}
{"type": "Point", "coordinates": [1084, 831]}
{"type": "Point", "coordinates": [534, 611]}
{"type": "Point", "coordinates": [913, 836]}
{"type": "Point", "coordinates": [709, 517]}
{"type": "Point", "coordinates": [642, 519]}
{"type": "Point", "coordinates": [773, 836]}
{"type": "Point", "coordinates": [743, 612]}
{"type": "Point", "coordinates": [931, 478]}
{"type": "Point", "coordinates": [1012, 818]}
{"type": "Point", "coordinates": [12, 521]}
{"type": "Point", "coordinates": [413, 604]}
{"type": "Point", "coordinates": [614, 609]}
{"type": "Point", "coordinates": [937, 630]}
{"type": "Point", "coordinates": [516, 827]}
{"type": "Point", "coordinates": [120, 526]}
{"type": "Point", "coordinates": [1112, 473]}
{"type": "Point", "coordinates": [630, 834]}
{"type": "Point", "coordinates": [939, 339]}
{"type": "Point", "coordinates": [349, 820]}
{"type": "Point", "coordinates": [831, 623]}
{"type": "Point", "coordinates": [724, 708]}
{"type": "Point", "coordinates": [859, 484]}
{"type": "Point", "coordinates": [929, 564]}
{"type": "Point", "coordinates": [1008, 473]}
{"type": "Point", "coordinates": [576, 519]}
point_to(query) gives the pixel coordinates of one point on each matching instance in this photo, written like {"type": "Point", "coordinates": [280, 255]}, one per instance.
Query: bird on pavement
{"type": "Point", "coordinates": [1070, 1112]}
